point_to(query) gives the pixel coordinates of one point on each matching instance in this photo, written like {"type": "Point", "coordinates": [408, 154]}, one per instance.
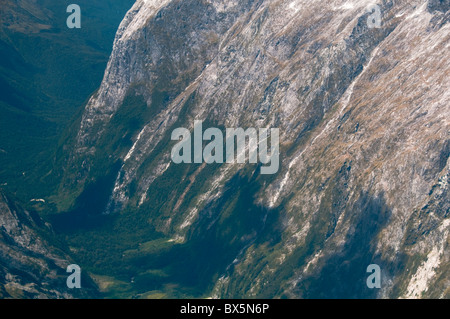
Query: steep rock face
{"type": "Point", "coordinates": [155, 58]}
{"type": "Point", "coordinates": [364, 132]}
{"type": "Point", "coordinates": [30, 266]}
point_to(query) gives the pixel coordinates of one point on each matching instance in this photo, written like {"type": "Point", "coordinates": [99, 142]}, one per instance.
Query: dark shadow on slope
{"type": "Point", "coordinates": [343, 274]}
{"type": "Point", "coordinates": [89, 206]}
{"type": "Point", "coordinates": [222, 232]}
{"type": "Point", "coordinates": [439, 5]}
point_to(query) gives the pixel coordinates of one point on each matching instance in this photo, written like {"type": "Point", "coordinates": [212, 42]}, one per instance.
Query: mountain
{"type": "Point", "coordinates": [31, 264]}
{"type": "Point", "coordinates": [357, 92]}
{"type": "Point", "coordinates": [362, 113]}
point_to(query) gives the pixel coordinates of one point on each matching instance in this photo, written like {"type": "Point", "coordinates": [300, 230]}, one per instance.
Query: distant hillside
{"type": "Point", "coordinates": [47, 72]}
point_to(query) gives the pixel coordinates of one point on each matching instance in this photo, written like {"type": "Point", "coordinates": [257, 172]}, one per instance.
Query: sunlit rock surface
{"type": "Point", "coordinates": [364, 127]}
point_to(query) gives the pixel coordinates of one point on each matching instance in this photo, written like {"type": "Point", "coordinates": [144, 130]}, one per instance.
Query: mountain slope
{"type": "Point", "coordinates": [30, 265]}
{"type": "Point", "coordinates": [47, 72]}
{"type": "Point", "coordinates": [364, 147]}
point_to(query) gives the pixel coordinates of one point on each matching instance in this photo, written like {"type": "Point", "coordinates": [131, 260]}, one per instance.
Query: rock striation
{"type": "Point", "coordinates": [363, 115]}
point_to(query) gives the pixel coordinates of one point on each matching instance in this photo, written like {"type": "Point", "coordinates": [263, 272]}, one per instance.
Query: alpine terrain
{"type": "Point", "coordinates": [359, 91]}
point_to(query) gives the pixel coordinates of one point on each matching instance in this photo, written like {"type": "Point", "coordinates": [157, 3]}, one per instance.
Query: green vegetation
{"type": "Point", "coordinates": [46, 75]}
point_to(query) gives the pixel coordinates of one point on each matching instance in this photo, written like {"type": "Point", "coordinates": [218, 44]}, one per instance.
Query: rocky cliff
{"type": "Point", "coordinates": [363, 115]}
